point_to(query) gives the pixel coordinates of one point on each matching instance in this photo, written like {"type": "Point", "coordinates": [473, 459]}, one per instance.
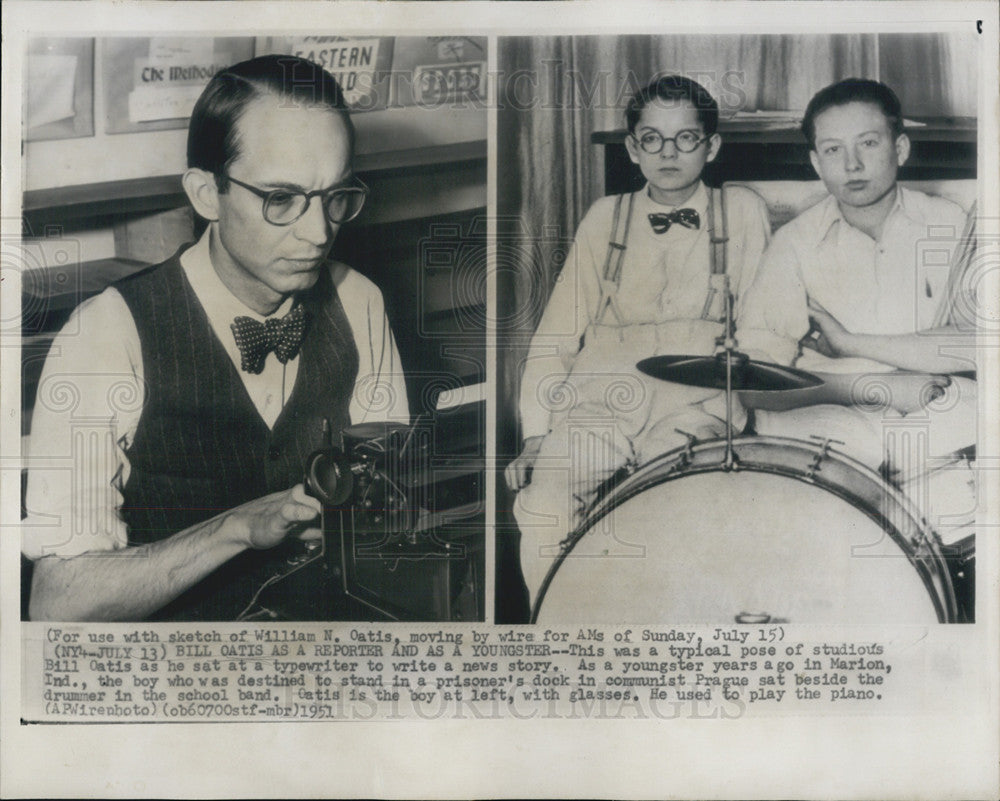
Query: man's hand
{"type": "Point", "coordinates": [827, 335]}
{"type": "Point", "coordinates": [906, 392]}
{"type": "Point", "coordinates": [132, 583]}
{"type": "Point", "coordinates": [518, 472]}
{"type": "Point", "coordinates": [272, 518]}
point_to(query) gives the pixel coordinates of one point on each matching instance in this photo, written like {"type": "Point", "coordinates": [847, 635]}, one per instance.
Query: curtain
{"type": "Point", "coordinates": [935, 75]}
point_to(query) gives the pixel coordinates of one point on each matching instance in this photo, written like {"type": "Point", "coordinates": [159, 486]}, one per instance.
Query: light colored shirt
{"type": "Point", "coordinates": [92, 390]}
{"type": "Point", "coordinates": [664, 277]}
{"type": "Point", "coordinates": [891, 286]}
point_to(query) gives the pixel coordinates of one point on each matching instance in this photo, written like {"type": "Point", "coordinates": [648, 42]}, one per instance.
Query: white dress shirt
{"type": "Point", "coordinates": [664, 277]}
{"type": "Point", "coordinates": [893, 285]}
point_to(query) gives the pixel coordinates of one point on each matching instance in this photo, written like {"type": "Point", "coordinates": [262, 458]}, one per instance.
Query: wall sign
{"type": "Point", "coordinates": [361, 65]}
{"type": "Point", "coordinates": [152, 83]}
{"type": "Point", "coordinates": [437, 84]}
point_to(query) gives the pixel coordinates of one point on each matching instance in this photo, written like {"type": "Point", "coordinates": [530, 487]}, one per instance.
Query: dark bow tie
{"type": "Point", "coordinates": [687, 217]}
{"type": "Point", "coordinates": [256, 339]}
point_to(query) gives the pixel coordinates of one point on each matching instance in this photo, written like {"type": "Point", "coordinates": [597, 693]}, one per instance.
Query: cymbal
{"type": "Point", "coordinates": [710, 372]}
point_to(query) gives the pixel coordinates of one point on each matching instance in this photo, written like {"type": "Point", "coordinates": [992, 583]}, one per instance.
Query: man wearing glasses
{"type": "Point", "coordinates": [233, 358]}
{"type": "Point", "coordinates": [642, 279]}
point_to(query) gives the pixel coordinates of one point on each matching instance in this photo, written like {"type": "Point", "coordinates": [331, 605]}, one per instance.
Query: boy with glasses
{"type": "Point", "coordinates": [643, 278]}
{"type": "Point", "coordinates": [236, 354]}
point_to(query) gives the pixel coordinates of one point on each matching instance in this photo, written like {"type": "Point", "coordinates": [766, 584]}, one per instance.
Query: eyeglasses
{"type": "Point", "coordinates": [685, 141]}
{"type": "Point", "coordinates": [285, 206]}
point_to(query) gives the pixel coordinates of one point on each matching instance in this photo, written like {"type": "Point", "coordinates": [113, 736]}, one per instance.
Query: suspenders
{"type": "Point", "coordinates": [613, 263]}
{"type": "Point", "coordinates": [718, 237]}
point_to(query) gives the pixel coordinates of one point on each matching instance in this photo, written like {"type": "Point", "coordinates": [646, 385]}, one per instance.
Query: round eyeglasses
{"type": "Point", "coordinates": [685, 141]}
{"type": "Point", "coordinates": [285, 206]}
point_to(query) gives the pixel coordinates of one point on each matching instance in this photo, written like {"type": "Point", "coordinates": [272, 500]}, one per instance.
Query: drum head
{"type": "Point", "coordinates": [724, 547]}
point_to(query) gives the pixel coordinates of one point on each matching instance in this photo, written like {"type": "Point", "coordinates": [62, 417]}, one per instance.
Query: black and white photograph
{"type": "Point", "coordinates": [469, 399]}
{"type": "Point", "coordinates": [749, 393]}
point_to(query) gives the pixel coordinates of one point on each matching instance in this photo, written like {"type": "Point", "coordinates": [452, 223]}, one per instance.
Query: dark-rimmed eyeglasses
{"type": "Point", "coordinates": [285, 206]}
{"type": "Point", "coordinates": [685, 141]}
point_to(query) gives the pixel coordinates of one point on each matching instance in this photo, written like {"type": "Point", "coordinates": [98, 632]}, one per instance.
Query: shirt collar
{"type": "Point", "coordinates": [221, 305]}
{"type": "Point", "coordinates": [832, 213]}
{"type": "Point", "coordinates": [698, 201]}
{"type": "Point", "coordinates": [904, 202]}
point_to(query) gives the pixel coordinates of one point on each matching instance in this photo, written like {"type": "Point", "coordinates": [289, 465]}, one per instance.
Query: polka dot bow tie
{"type": "Point", "coordinates": [256, 339]}
{"type": "Point", "coordinates": [687, 217]}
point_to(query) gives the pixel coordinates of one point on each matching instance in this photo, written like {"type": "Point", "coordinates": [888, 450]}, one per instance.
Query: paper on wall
{"type": "Point", "coordinates": [169, 82]}
{"type": "Point", "coordinates": [50, 88]}
{"type": "Point", "coordinates": [148, 104]}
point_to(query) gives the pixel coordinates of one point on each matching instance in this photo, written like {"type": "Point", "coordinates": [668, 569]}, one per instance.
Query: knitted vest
{"type": "Point", "coordinates": [201, 447]}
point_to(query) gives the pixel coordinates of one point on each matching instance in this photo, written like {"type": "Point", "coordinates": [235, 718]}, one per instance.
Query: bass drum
{"type": "Point", "coordinates": [794, 532]}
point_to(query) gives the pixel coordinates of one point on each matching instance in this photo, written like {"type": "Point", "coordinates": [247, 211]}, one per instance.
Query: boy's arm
{"type": "Point", "coordinates": [772, 311]}
{"type": "Point", "coordinates": [749, 241]}
{"type": "Point", "coordinates": [556, 341]}
{"type": "Point", "coordinates": [554, 346]}
{"type": "Point", "coordinates": [903, 391]}
{"type": "Point", "coordinates": [921, 351]}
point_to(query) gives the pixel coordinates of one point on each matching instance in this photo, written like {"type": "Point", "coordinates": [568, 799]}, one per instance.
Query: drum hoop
{"type": "Point", "coordinates": [924, 554]}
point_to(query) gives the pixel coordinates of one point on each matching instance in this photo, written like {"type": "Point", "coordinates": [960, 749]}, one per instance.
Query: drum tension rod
{"type": "Point", "coordinates": [688, 455]}
{"type": "Point", "coordinates": [824, 449]}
